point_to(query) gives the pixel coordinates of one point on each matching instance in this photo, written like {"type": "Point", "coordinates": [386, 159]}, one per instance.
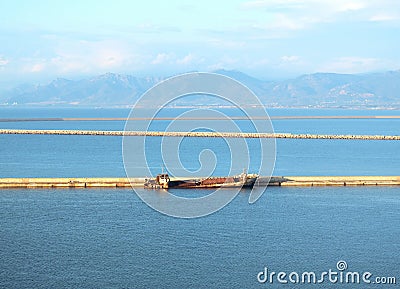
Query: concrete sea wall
{"type": "Point", "coordinates": [200, 134]}
{"type": "Point", "coordinates": [288, 181]}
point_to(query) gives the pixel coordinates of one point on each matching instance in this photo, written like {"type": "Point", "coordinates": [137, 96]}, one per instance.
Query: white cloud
{"type": "Point", "coordinates": [283, 21]}
{"type": "Point", "coordinates": [290, 59]}
{"type": "Point", "coordinates": [69, 63]}
{"type": "Point", "coordinates": [225, 62]}
{"type": "Point", "coordinates": [80, 57]}
{"type": "Point", "coordinates": [186, 60]}
{"type": "Point", "coordinates": [383, 17]}
{"type": "Point", "coordinates": [3, 61]}
{"type": "Point", "coordinates": [32, 65]}
{"type": "Point", "coordinates": [303, 14]}
{"type": "Point", "coordinates": [350, 6]}
{"type": "Point", "coordinates": [93, 57]}
{"type": "Point", "coordinates": [162, 58]}
{"type": "Point", "coordinates": [275, 4]}
{"type": "Point", "coordinates": [313, 5]}
{"type": "Point", "coordinates": [167, 59]}
{"type": "Point", "coordinates": [263, 35]}
{"type": "Point", "coordinates": [38, 67]}
{"type": "Point", "coordinates": [354, 65]}
{"type": "Point", "coordinates": [292, 63]}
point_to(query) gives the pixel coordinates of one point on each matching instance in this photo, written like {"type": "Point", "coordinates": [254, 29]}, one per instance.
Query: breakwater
{"type": "Point", "coordinates": [199, 134]}
{"type": "Point", "coordinates": [284, 181]}
{"type": "Point", "coordinates": [294, 117]}
{"type": "Point", "coordinates": [69, 182]}
{"type": "Point", "coordinates": [311, 181]}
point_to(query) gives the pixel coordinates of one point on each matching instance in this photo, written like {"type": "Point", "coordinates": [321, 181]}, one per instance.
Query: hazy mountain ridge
{"type": "Point", "coordinates": [106, 89]}
{"type": "Point", "coordinates": [327, 89]}
{"type": "Point", "coordinates": [314, 90]}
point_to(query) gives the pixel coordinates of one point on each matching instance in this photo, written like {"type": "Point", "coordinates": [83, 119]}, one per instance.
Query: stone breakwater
{"type": "Point", "coordinates": [295, 181]}
{"type": "Point", "coordinates": [294, 117]}
{"type": "Point", "coordinates": [200, 134]}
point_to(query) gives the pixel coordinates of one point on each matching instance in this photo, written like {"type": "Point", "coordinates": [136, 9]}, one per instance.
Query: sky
{"type": "Point", "coordinates": [269, 39]}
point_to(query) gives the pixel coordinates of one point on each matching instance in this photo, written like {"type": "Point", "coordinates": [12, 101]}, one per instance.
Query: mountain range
{"type": "Point", "coordinates": [311, 90]}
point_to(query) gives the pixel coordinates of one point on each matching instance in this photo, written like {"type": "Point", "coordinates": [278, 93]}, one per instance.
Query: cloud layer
{"type": "Point", "coordinates": [268, 38]}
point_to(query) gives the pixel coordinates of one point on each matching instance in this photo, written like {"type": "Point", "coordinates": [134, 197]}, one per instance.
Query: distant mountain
{"type": "Point", "coordinates": [312, 90]}
{"type": "Point", "coordinates": [107, 89]}
{"type": "Point", "coordinates": [333, 90]}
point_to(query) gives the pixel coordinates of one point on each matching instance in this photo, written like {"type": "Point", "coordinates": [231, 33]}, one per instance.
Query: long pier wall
{"type": "Point", "coordinates": [280, 117]}
{"type": "Point", "coordinates": [199, 134]}
{"type": "Point", "coordinates": [295, 181]}
{"type": "Point", "coordinates": [69, 182]}
{"type": "Point", "coordinates": [290, 181]}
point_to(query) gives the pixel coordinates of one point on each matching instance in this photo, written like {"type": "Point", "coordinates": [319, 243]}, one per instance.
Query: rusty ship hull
{"type": "Point", "coordinates": [243, 180]}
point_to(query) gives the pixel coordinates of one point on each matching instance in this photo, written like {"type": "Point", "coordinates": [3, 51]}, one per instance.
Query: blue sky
{"type": "Point", "coordinates": [42, 40]}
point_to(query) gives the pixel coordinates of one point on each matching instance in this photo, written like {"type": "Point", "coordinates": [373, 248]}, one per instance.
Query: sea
{"type": "Point", "coordinates": [109, 238]}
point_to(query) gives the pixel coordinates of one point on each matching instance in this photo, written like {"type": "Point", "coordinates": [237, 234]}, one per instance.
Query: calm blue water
{"type": "Point", "coordinates": [108, 238]}
{"type": "Point", "coordinates": [96, 156]}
